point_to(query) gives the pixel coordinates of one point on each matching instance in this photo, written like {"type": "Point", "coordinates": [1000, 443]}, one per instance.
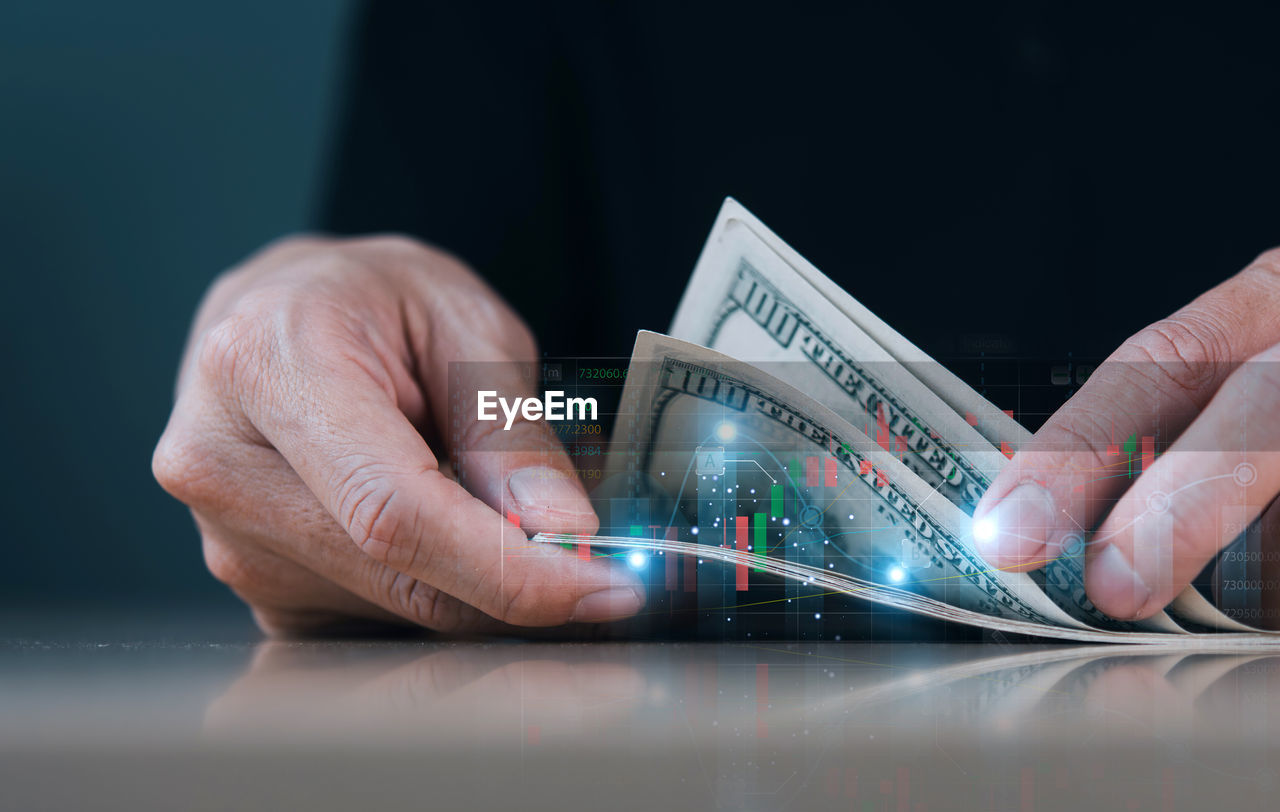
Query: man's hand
{"type": "Point", "coordinates": [1183, 377]}
{"type": "Point", "coordinates": [314, 376]}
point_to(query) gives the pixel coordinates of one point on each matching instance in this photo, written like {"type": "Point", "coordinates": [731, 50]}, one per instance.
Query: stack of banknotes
{"type": "Point", "coordinates": [784, 430]}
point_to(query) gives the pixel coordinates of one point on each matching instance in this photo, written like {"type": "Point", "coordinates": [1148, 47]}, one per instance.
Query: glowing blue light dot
{"type": "Point", "coordinates": [897, 574]}
{"type": "Point", "coordinates": [637, 560]}
{"type": "Point", "coordinates": [693, 530]}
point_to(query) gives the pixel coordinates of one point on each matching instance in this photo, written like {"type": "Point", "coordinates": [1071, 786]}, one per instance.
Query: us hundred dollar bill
{"type": "Point", "coordinates": [928, 415]}
{"type": "Point", "coordinates": [679, 398]}
{"type": "Point", "coordinates": [754, 298]}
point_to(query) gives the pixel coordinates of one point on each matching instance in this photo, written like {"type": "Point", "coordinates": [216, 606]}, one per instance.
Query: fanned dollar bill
{"type": "Point", "coordinates": [678, 401]}
{"type": "Point", "coordinates": [753, 297]}
{"type": "Point", "coordinates": [845, 458]}
{"type": "Point", "coordinates": [681, 397]}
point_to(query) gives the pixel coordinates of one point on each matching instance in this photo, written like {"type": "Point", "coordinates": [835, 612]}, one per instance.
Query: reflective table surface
{"type": "Point", "coordinates": [130, 720]}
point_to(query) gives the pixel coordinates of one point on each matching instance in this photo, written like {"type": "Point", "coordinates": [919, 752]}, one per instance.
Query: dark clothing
{"type": "Point", "coordinates": [1030, 179]}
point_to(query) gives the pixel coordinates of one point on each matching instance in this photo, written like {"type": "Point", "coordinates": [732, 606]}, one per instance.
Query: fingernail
{"type": "Point", "coordinates": [1019, 527]}
{"type": "Point", "coordinates": [1114, 585]}
{"type": "Point", "coordinates": [607, 604]}
{"type": "Point", "coordinates": [546, 489]}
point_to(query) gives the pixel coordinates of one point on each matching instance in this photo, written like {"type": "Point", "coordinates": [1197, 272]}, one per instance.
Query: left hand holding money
{"type": "Point", "coordinates": [1206, 378]}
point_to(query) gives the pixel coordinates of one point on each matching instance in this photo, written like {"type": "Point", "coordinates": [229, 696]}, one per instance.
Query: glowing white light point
{"type": "Point", "coordinates": [726, 431]}
{"type": "Point", "coordinates": [984, 530]}
{"type": "Point", "coordinates": [637, 560]}
{"type": "Point", "coordinates": [897, 574]}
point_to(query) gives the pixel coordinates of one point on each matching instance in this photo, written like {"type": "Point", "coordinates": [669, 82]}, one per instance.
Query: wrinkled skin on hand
{"type": "Point", "coordinates": [309, 431]}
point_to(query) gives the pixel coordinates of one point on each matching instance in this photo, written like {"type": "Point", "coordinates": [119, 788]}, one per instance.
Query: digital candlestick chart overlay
{"type": "Point", "coordinates": [719, 482]}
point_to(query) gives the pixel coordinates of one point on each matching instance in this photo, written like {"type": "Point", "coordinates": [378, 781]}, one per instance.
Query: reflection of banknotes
{"type": "Point", "coordinates": [826, 380]}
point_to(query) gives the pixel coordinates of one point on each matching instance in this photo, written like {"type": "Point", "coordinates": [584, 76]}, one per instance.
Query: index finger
{"type": "Point", "coordinates": [1062, 483]}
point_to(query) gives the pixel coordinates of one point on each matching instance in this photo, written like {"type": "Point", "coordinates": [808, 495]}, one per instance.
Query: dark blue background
{"type": "Point", "coordinates": [145, 146]}
{"type": "Point", "coordinates": [1064, 174]}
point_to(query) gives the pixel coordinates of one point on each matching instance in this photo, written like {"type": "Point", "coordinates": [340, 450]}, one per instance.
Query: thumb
{"type": "Point", "coordinates": [508, 454]}
{"type": "Point", "coordinates": [513, 461]}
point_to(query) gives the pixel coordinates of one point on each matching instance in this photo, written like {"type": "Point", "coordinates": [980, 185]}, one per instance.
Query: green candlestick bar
{"type": "Point", "coordinates": [760, 549]}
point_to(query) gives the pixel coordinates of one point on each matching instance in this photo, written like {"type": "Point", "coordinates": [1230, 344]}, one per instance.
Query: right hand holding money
{"type": "Point", "coordinates": [1203, 375]}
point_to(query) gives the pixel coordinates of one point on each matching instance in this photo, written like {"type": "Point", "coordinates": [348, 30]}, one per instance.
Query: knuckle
{"type": "Point", "coordinates": [422, 603]}
{"type": "Point", "coordinates": [377, 521]}
{"type": "Point", "coordinates": [231, 348]}
{"type": "Point", "coordinates": [418, 601]}
{"type": "Point", "coordinates": [185, 467]}
{"type": "Point", "coordinates": [288, 244]}
{"type": "Point", "coordinates": [324, 278]}
{"type": "Point", "coordinates": [464, 303]}
{"type": "Point", "coordinates": [368, 512]}
{"type": "Point", "coordinates": [1077, 442]}
{"type": "Point", "coordinates": [400, 257]}
{"type": "Point", "coordinates": [1081, 436]}
{"type": "Point", "coordinates": [1268, 262]}
{"type": "Point", "coordinates": [1186, 349]}
{"type": "Point", "coordinates": [394, 243]}
{"type": "Point", "coordinates": [1257, 381]}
